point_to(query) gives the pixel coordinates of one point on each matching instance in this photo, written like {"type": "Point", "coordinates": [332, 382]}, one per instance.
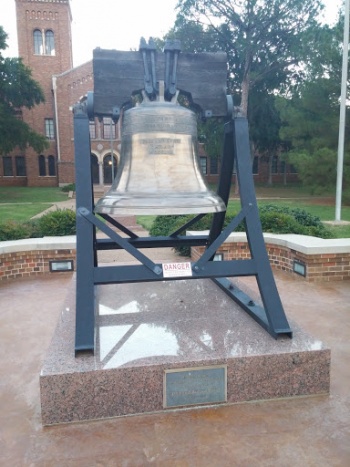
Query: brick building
{"type": "Point", "coordinates": [45, 45]}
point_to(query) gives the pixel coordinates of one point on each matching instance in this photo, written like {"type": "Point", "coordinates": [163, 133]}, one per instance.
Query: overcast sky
{"type": "Point", "coordinates": [115, 24]}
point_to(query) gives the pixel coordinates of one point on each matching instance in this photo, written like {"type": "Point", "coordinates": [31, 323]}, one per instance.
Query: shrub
{"type": "Point", "coordinates": [68, 188]}
{"type": "Point", "coordinates": [55, 223]}
{"type": "Point", "coordinates": [302, 216]}
{"type": "Point", "coordinates": [11, 230]}
{"type": "Point", "coordinates": [308, 223]}
{"type": "Point", "coordinates": [274, 219]}
{"type": "Point", "coordinates": [279, 222]}
{"type": "Point", "coordinates": [163, 225]}
{"type": "Point", "coordinates": [202, 224]}
{"type": "Point", "coordinates": [58, 223]}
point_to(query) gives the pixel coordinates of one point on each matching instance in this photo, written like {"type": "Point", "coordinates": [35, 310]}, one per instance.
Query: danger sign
{"type": "Point", "coordinates": [177, 269]}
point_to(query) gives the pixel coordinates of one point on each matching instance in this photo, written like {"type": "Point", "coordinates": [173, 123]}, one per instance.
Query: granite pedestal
{"type": "Point", "coordinates": [143, 330]}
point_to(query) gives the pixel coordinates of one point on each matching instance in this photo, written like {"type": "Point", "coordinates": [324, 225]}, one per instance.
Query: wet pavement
{"type": "Point", "coordinates": [305, 431]}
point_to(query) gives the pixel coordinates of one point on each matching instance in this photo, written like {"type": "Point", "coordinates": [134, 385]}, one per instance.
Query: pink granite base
{"type": "Point", "coordinates": [144, 329]}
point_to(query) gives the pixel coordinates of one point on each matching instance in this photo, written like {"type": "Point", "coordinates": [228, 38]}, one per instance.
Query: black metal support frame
{"type": "Point", "coordinates": [270, 316]}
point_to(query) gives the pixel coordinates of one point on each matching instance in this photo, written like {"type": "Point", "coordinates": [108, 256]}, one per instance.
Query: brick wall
{"type": "Point", "coordinates": [26, 264]}
{"type": "Point", "coordinates": [31, 257]}
{"type": "Point", "coordinates": [320, 266]}
{"type": "Point", "coordinates": [25, 258]}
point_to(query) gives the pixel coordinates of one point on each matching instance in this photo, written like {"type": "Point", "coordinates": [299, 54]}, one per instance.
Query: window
{"type": "Point", "coordinates": [95, 169]}
{"type": "Point", "coordinates": [214, 165]}
{"type": "Point", "coordinates": [283, 167]}
{"type": "Point", "coordinates": [292, 169]}
{"type": "Point", "coordinates": [109, 170]}
{"type": "Point", "coordinates": [7, 166]}
{"type": "Point", "coordinates": [38, 42]}
{"type": "Point", "coordinates": [49, 43]}
{"type": "Point", "coordinates": [203, 165]}
{"type": "Point", "coordinates": [107, 124]}
{"type": "Point", "coordinates": [44, 43]}
{"type": "Point", "coordinates": [52, 166]}
{"type": "Point", "coordinates": [20, 166]}
{"type": "Point", "coordinates": [92, 129]}
{"type": "Point", "coordinates": [49, 128]}
{"type": "Point", "coordinates": [42, 166]}
{"type": "Point", "coordinates": [274, 165]}
{"type": "Point", "coordinates": [255, 165]}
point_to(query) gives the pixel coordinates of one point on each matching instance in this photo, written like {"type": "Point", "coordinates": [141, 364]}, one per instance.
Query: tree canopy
{"type": "Point", "coordinates": [310, 114]}
{"type": "Point", "coordinates": [17, 90]}
{"type": "Point", "coordinates": [265, 40]}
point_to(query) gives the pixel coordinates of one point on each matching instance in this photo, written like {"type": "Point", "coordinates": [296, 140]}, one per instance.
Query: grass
{"type": "Point", "coordinates": [23, 194]}
{"type": "Point", "coordinates": [341, 231]}
{"type": "Point", "coordinates": [22, 203]}
{"type": "Point", "coordinates": [20, 212]}
{"type": "Point", "coordinates": [323, 211]}
{"type": "Point", "coordinates": [146, 221]}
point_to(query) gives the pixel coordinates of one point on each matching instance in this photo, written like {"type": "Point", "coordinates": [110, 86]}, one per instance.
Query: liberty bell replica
{"type": "Point", "coordinates": [159, 171]}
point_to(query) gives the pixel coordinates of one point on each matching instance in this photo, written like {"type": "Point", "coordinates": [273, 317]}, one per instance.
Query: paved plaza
{"type": "Point", "coordinates": [305, 431]}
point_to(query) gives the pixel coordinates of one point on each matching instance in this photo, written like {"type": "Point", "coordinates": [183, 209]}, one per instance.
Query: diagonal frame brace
{"type": "Point", "coordinates": [123, 243]}
{"type": "Point", "coordinates": [119, 226]}
{"type": "Point", "coordinates": [255, 311]}
{"type": "Point", "coordinates": [210, 251]}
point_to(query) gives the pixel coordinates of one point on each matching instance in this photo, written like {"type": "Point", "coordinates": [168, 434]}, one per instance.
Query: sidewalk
{"type": "Point", "coordinates": [67, 204]}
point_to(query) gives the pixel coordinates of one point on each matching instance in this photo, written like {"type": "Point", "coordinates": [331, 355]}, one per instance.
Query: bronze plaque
{"type": "Point", "coordinates": [194, 386]}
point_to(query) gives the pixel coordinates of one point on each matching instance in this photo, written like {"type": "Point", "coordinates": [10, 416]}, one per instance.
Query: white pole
{"type": "Point", "coordinates": [338, 199]}
{"type": "Point", "coordinates": [112, 156]}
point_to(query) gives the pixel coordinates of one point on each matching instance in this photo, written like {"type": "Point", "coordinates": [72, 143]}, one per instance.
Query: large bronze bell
{"type": "Point", "coordinates": [159, 171]}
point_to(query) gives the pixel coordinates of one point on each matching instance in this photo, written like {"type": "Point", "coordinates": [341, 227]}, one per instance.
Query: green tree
{"type": "Point", "coordinates": [266, 39]}
{"type": "Point", "coordinates": [310, 122]}
{"type": "Point", "coordinates": [263, 117]}
{"type": "Point", "coordinates": [310, 115]}
{"type": "Point", "coordinates": [17, 90]}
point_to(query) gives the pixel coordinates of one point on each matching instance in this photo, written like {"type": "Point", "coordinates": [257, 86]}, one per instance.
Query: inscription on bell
{"type": "Point", "coordinates": [151, 123]}
{"type": "Point", "coordinates": [160, 145]}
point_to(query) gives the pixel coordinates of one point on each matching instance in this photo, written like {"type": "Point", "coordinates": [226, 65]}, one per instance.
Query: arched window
{"type": "Point", "coordinates": [109, 170]}
{"type": "Point", "coordinates": [94, 169]}
{"type": "Point", "coordinates": [49, 43]}
{"type": "Point", "coordinates": [52, 166]}
{"type": "Point", "coordinates": [38, 42]}
{"type": "Point", "coordinates": [42, 166]}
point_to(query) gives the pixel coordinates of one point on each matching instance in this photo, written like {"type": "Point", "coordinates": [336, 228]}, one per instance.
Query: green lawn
{"type": "Point", "coordinates": [326, 212]}
{"type": "Point", "coordinates": [22, 203]}
{"type": "Point", "coordinates": [31, 195]}
{"type": "Point", "coordinates": [20, 212]}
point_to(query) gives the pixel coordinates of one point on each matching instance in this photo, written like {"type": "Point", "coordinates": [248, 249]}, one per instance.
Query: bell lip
{"type": "Point", "coordinates": [162, 211]}
{"type": "Point", "coordinates": [169, 205]}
